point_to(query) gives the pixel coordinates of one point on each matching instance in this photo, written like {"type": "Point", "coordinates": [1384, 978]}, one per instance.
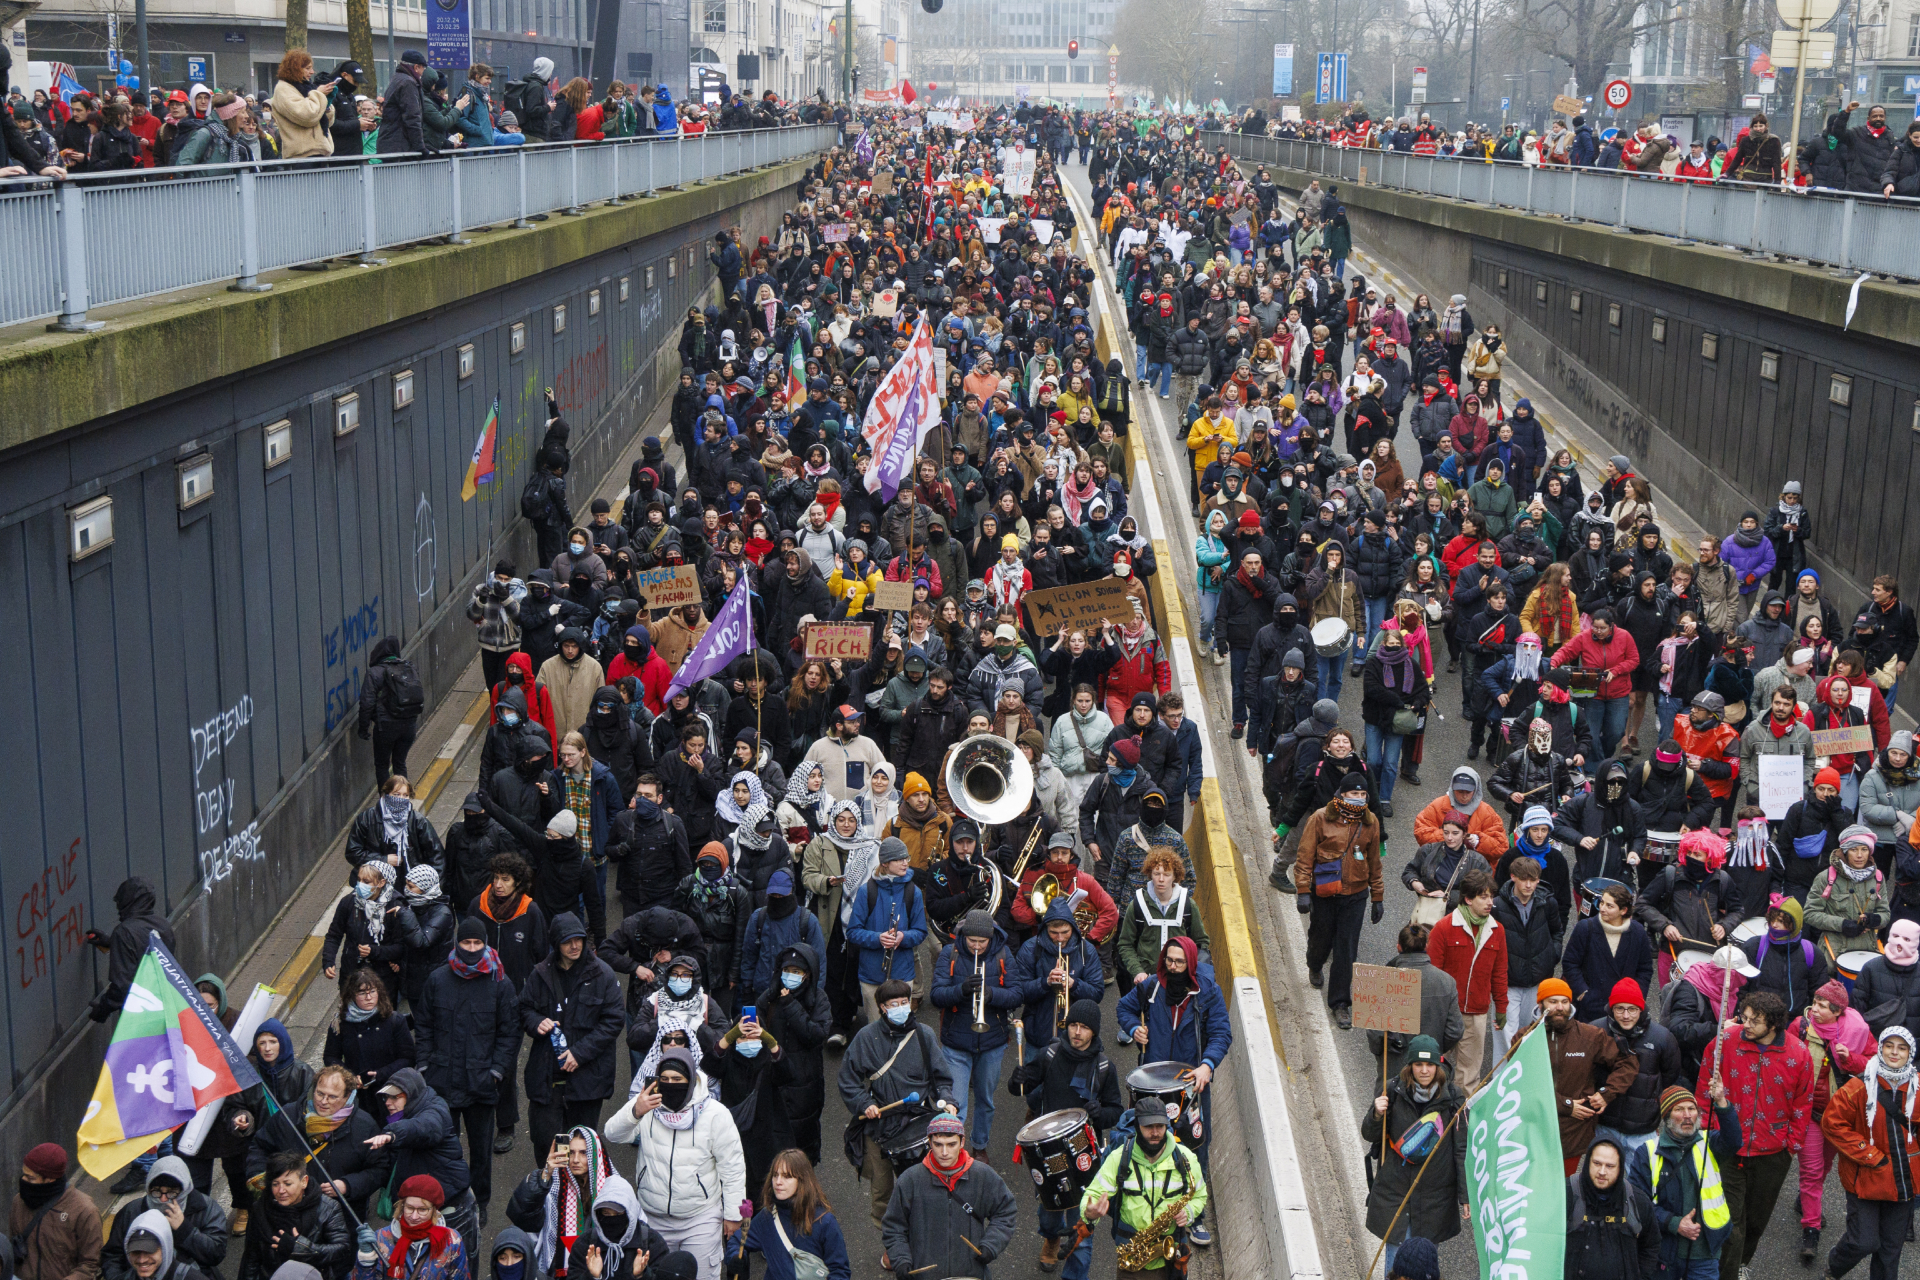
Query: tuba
{"type": "Point", "coordinates": [991, 782]}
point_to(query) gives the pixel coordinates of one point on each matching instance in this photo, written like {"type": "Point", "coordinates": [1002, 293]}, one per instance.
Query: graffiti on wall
{"type": "Point", "coordinates": [342, 645]}
{"type": "Point", "coordinates": [48, 919]}
{"type": "Point", "coordinates": [214, 794]}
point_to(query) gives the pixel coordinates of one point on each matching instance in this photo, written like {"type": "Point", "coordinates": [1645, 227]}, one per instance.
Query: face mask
{"type": "Point", "coordinates": [613, 1225]}
{"type": "Point", "coordinates": [748, 1048]}
{"type": "Point", "coordinates": [531, 768]}
{"type": "Point", "coordinates": [898, 1014]}
{"type": "Point", "coordinates": [362, 890]}
{"type": "Point", "coordinates": [674, 1094]}
{"type": "Point", "coordinates": [474, 822]}
{"type": "Point", "coordinates": [509, 720]}
{"type": "Point", "coordinates": [578, 548]}
{"type": "Point", "coordinates": [1696, 871]}
{"type": "Point", "coordinates": [679, 987]}
{"type": "Point", "coordinates": [790, 980]}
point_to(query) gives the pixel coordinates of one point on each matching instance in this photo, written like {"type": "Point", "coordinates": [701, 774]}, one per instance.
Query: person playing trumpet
{"type": "Point", "coordinates": [975, 990]}
{"type": "Point", "coordinates": [1057, 966]}
{"type": "Point", "coordinates": [1062, 871]}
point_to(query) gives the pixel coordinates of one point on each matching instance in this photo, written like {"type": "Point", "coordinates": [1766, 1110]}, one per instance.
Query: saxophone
{"type": "Point", "coordinates": [1155, 1242]}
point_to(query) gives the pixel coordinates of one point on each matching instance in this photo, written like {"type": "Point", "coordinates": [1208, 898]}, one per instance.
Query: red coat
{"type": "Point", "coordinates": [1097, 898]}
{"type": "Point", "coordinates": [1147, 671]}
{"type": "Point", "coordinates": [654, 676]}
{"type": "Point", "coordinates": [1876, 711]}
{"type": "Point", "coordinates": [1769, 1085]}
{"type": "Point", "coordinates": [1479, 972]}
{"type": "Point", "coordinates": [539, 700]}
{"type": "Point", "coordinates": [1457, 555]}
{"type": "Point", "coordinates": [1718, 743]}
{"type": "Point", "coordinates": [1866, 1160]}
{"type": "Point", "coordinates": [1619, 655]}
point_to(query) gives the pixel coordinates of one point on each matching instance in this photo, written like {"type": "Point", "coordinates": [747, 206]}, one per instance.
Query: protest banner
{"type": "Point", "coordinates": [847, 641]}
{"type": "Point", "coordinates": [1842, 741]}
{"type": "Point", "coordinates": [836, 233]}
{"type": "Point", "coordinates": [893, 595]}
{"type": "Point", "coordinates": [1516, 1187]}
{"type": "Point", "coordinates": [669, 586]}
{"type": "Point", "coordinates": [1079, 604]}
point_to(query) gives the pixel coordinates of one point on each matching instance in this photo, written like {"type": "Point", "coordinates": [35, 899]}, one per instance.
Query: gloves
{"type": "Point", "coordinates": [366, 1255]}
{"type": "Point", "coordinates": [1280, 832]}
{"type": "Point", "coordinates": [1379, 912]}
{"type": "Point", "coordinates": [1305, 902]}
{"type": "Point", "coordinates": [1873, 922]}
{"type": "Point", "coordinates": [974, 984]}
{"type": "Point", "coordinates": [1852, 928]}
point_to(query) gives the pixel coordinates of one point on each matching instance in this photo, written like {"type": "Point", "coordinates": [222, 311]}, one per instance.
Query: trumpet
{"type": "Point", "coordinates": [1062, 994]}
{"type": "Point", "coordinates": [979, 999]}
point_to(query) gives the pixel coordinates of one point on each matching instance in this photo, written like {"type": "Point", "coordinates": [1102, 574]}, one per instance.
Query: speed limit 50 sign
{"type": "Point", "coordinates": [1618, 94]}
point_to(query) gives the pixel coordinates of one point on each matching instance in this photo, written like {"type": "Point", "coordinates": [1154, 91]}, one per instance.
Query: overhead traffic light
{"type": "Point", "coordinates": [1073, 48]}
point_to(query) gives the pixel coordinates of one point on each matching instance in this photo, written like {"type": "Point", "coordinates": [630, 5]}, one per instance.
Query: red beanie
{"type": "Point", "coordinates": [1827, 777]}
{"type": "Point", "coordinates": [1627, 991]}
{"type": "Point", "coordinates": [1127, 752]}
{"type": "Point", "coordinates": [426, 1188]}
{"type": "Point", "coordinates": [48, 1160]}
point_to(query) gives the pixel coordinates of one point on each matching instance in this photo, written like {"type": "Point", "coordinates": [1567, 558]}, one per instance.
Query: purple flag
{"type": "Point", "coordinates": [730, 635]}
{"type": "Point", "coordinates": [863, 149]}
{"type": "Point", "coordinates": [893, 467]}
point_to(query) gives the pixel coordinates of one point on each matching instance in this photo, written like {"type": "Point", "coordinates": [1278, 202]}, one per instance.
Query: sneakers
{"type": "Point", "coordinates": [1473, 753]}
{"type": "Point", "coordinates": [504, 1143]}
{"type": "Point", "coordinates": [238, 1225]}
{"type": "Point", "coordinates": [1199, 1237]}
{"type": "Point", "coordinates": [1049, 1253]}
{"type": "Point", "coordinates": [1219, 658]}
{"type": "Point", "coordinates": [1809, 1245]}
{"type": "Point", "coordinates": [1143, 382]}
{"type": "Point", "coordinates": [1239, 732]}
{"type": "Point", "coordinates": [1386, 808]}
{"type": "Point", "coordinates": [1411, 776]}
{"type": "Point", "coordinates": [1343, 1018]}
{"type": "Point", "coordinates": [1314, 979]}
{"type": "Point", "coordinates": [836, 1041]}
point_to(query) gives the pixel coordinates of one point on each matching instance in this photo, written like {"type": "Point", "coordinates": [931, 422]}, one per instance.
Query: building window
{"type": "Point", "coordinates": [466, 361]}
{"type": "Point", "coordinates": [196, 481]}
{"type": "Point", "coordinates": [623, 288]}
{"type": "Point", "coordinates": [713, 14]}
{"type": "Point", "coordinates": [346, 414]}
{"type": "Point", "coordinates": [1770, 366]}
{"type": "Point", "coordinates": [1659, 328]}
{"type": "Point", "coordinates": [517, 339]}
{"type": "Point", "coordinates": [1540, 291]}
{"type": "Point", "coordinates": [1710, 346]}
{"type": "Point", "coordinates": [1573, 302]}
{"type": "Point", "coordinates": [279, 442]}
{"type": "Point", "coordinates": [403, 389]}
{"type": "Point", "coordinates": [560, 317]}
{"type": "Point", "coordinates": [1082, 75]}
{"type": "Point", "coordinates": [649, 277]}
{"type": "Point", "coordinates": [90, 527]}
{"type": "Point", "coordinates": [672, 266]}
{"type": "Point", "coordinates": [1613, 314]}
{"type": "Point", "coordinates": [593, 302]}
{"type": "Point", "coordinates": [1840, 391]}
{"type": "Point", "coordinates": [1913, 35]}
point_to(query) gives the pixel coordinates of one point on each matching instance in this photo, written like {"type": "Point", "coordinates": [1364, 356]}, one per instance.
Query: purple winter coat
{"type": "Point", "coordinates": [1751, 565]}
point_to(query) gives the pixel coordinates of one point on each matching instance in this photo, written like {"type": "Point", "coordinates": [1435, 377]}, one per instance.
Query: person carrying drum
{"type": "Point", "coordinates": [947, 1209]}
{"type": "Point", "coordinates": [1179, 1015]}
{"type": "Point", "coordinates": [1140, 1179]}
{"type": "Point", "coordinates": [1690, 903]}
{"type": "Point", "coordinates": [1072, 1075]}
{"type": "Point", "coordinates": [887, 1060]}
{"type": "Point", "coordinates": [1671, 794]}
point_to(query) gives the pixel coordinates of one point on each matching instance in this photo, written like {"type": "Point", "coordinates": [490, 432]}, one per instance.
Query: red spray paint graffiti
{"type": "Point", "coordinates": [48, 927]}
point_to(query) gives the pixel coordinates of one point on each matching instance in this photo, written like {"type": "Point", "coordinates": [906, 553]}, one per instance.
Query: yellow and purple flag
{"type": "Point", "coordinates": [480, 469]}
{"type": "Point", "coordinates": [169, 1057]}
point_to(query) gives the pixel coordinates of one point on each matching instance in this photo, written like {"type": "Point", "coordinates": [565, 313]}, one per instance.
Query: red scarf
{"type": "Point", "coordinates": [1254, 585]}
{"type": "Point", "coordinates": [437, 1239]}
{"type": "Point", "coordinates": [949, 1178]}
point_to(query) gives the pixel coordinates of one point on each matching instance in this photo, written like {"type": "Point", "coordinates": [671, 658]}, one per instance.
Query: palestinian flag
{"type": "Point", "coordinates": [169, 1057]}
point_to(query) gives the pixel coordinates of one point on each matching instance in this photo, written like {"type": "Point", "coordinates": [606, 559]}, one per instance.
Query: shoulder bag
{"type": "Point", "coordinates": [806, 1266]}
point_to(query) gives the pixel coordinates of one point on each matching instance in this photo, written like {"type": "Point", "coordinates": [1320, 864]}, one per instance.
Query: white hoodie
{"type": "Point", "coordinates": [697, 1171]}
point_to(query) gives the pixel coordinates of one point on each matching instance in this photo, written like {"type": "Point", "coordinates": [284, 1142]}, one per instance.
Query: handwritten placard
{"type": "Point", "coordinates": [668, 587]}
{"type": "Point", "coordinates": [847, 641]}
{"type": "Point", "coordinates": [836, 233]}
{"type": "Point", "coordinates": [893, 595]}
{"type": "Point", "coordinates": [1078, 604]}
{"type": "Point", "coordinates": [1386, 999]}
{"type": "Point", "coordinates": [1782, 782]}
{"type": "Point", "coordinates": [1842, 741]}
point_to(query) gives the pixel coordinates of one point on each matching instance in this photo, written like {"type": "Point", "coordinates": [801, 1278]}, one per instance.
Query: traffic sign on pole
{"type": "Point", "coordinates": [1618, 94]}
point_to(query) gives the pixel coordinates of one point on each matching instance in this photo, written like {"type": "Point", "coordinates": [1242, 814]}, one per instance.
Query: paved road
{"type": "Point", "coordinates": [1343, 1092]}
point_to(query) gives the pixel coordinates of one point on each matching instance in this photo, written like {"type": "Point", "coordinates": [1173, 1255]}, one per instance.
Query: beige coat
{"type": "Point", "coordinates": [572, 685]}
{"type": "Point", "coordinates": [673, 639]}
{"type": "Point", "coordinates": [1482, 363]}
{"type": "Point", "coordinates": [304, 120]}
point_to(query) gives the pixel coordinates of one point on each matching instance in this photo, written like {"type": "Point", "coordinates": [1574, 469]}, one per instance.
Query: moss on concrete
{"type": "Point", "coordinates": [51, 382]}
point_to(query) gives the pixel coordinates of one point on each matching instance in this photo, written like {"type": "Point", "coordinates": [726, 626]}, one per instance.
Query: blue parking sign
{"type": "Point", "coordinates": [197, 72]}
{"type": "Point", "coordinates": [1506, 104]}
{"type": "Point", "coordinates": [1912, 89]}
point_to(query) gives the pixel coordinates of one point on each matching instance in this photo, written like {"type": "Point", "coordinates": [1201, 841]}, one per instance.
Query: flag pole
{"type": "Point", "coordinates": [1464, 1108]}
{"type": "Point", "coordinates": [301, 1138]}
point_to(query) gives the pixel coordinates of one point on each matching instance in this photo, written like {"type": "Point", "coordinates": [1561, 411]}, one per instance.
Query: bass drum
{"type": "Point", "coordinates": [908, 1154]}
{"type": "Point", "coordinates": [1331, 637]}
{"type": "Point", "coordinates": [1057, 1149]}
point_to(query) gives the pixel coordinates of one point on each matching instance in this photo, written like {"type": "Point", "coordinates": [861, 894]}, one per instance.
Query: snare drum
{"type": "Point", "coordinates": [1170, 1086]}
{"type": "Point", "coordinates": [1331, 637]}
{"type": "Point", "coordinates": [908, 1154]}
{"type": "Point", "coordinates": [1663, 846]}
{"type": "Point", "coordinates": [1057, 1149]}
{"type": "Point", "coordinates": [1687, 959]}
{"type": "Point", "coordinates": [1848, 965]}
{"type": "Point", "coordinates": [1749, 929]}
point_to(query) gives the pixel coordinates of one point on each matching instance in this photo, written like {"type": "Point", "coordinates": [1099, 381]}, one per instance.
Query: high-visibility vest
{"type": "Point", "coordinates": [1714, 1214]}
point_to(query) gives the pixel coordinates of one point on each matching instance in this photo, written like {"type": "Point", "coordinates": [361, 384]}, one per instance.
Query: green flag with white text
{"type": "Point", "coordinates": [1515, 1183]}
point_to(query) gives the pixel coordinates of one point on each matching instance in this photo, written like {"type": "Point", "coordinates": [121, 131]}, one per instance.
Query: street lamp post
{"type": "Point", "coordinates": [1473, 63]}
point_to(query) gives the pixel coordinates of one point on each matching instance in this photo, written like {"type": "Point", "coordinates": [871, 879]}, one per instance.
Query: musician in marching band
{"type": "Point", "coordinates": [1072, 1072]}
{"type": "Point", "coordinates": [1179, 1015]}
{"type": "Point", "coordinates": [887, 920]}
{"type": "Point", "coordinates": [1141, 1180]}
{"type": "Point", "coordinates": [1162, 909]}
{"type": "Point", "coordinates": [949, 1208]}
{"type": "Point", "coordinates": [1062, 870]}
{"type": "Point", "coordinates": [976, 991]}
{"type": "Point", "coordinates": [892, 1058]}
{"type": "Point", "coordinates": [1057, 966]}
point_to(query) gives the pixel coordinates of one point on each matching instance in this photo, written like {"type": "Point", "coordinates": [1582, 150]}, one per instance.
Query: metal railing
{"type": "Point", "coordinates": [1853, 233]}
{"type": "Point", "coordinates": [97, 239]}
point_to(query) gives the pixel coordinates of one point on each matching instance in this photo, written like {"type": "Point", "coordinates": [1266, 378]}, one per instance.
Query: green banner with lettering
{"type": "Point", "coordinates": [1515, 1184]}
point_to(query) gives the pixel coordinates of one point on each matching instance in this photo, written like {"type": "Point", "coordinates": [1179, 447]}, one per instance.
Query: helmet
{"type": "Point", "coordinates": [1710, 702]}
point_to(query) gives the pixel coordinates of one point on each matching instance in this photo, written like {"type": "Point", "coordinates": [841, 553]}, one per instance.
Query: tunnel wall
{"type": "Point", "coordinates": [187, 694]}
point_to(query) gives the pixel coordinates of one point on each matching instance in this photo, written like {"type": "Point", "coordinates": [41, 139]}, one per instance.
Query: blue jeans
{"type": "Point", "coordinates": [1339, 268]}
{"type": "Point", "coordinates": [1666, 709]}
{"type": "Point", "coordinates": [1383, 757]}
{"type": "Point", "coordinates": [1333, 671]}
{"type": "Point", "coordinates": [1166, 376]}
{"type": "Point", "coordinates": [1209, 608]}
{"type": "Point", "coordinates": [1609, 726]}
{"type": "Point", "coordinates": [1237, 665]}
{"type": "Point", "coordinates": [978, 1074]}
{"type": "Point", "coordinates": [1059, 1226]}
{"type": "Point", "coordinates": [1376, 610]}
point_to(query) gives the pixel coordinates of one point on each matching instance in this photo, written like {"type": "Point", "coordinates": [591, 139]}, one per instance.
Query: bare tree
{"type": "Point", "coordinates": [360, 38]}
{"type": "Point", "coordinates": [1172, 45]}
{"type": "Point", "coordinates": [1587, 34]}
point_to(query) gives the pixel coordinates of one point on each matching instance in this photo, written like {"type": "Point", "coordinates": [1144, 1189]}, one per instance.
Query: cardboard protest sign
{"type": "Point", "coordinates": [836, 233]}
{"type": "Point", "coordinates": [893, 595]}
{"type": "Point", "coordinates": [1782, 784]}
{"type": "Point", "coordinates": [847, 641]}
{"type": "Point", "coordinates": [668, 587]}
{"type": "Point", "coordinates": [1842, 741]}
{"type": "Point", "coordinates": [1386, 999]}
{"type": "Point", "coordinates": [1079, 604]}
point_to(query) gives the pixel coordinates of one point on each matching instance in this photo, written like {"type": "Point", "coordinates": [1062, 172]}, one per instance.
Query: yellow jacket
{"type": "Point", "coordinates": [1205, 451]}
{"type": "Point", "coordinates": [852, 588]}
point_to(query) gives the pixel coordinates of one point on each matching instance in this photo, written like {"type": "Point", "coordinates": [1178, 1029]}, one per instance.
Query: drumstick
{"type": "Point", "coordinates": [906, 1101]}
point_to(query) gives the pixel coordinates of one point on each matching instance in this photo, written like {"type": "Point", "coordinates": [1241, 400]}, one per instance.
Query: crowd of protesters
{"type": "Point", "coordinates": [309, 114]}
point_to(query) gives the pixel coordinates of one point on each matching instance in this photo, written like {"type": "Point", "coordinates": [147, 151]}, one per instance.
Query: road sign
{"type": "Point", "coordinates": [1618, 94]}
{"type": "Point", "coordinates": [1282, 70]}
{"type": "Point", "coordinates": [1786, 48]}
{"type": "Point", "coordinates": [197, 72]}
{"type": "Point", "coordinates": [1813, 12]}
{"type": "Point", "coordinates": [1331, 81]}
{"type": "Point", "coordinates": [1506, 105]}
{"type": "Point", "coordinates": [1751, 101]}
{"type": "Point", "coordinates": [1912, 86]}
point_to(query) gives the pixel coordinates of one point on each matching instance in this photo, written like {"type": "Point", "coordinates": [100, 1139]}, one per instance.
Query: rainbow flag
{"type": "Point", "coordinates": [480, 470]}
{"type": "Point", "coordinates": [168, 1058]}
{"type": "Point", "coordinates": [795, 392]}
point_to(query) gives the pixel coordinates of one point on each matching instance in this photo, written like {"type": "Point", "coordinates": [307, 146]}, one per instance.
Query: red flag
{"type": "Point", "coordinates": [907, 95]}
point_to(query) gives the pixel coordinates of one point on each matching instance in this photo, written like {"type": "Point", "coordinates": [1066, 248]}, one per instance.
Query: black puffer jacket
{"type": "Point", "coordinates": [1533, 943]}
{"type": "Point", "coordinates": [424, 1137]}
{"type": "Point", "coordinates": [650, 856]}
{"type": "Point", "coordinates": [1637, 1111]}
{"type": "Point", "coordinates": [469, 847]}
{"type": "Point", "coordinates": [139, 909]}
{"type": "Point", "coordinates": [1245, 609]}
{"type": "Point", "coordinates": [1903, 170]}
{"type": "Point", "coordinates": [1868, 156]}
{"type": "Point", "coordinates": [584, 999]}
{"type": "Point", "coordinates": [367, 841]}
{"type": "Point", "coordinates": [429, 937]}
{"type": "Point", "coordinates": [800, 1020]}
{"type": "Point", "coordinates": [1379, 563]}
{"type": "Point", "coordinates": [468, 1030]}
{"type": "Point", "coordinates": [644, 935]}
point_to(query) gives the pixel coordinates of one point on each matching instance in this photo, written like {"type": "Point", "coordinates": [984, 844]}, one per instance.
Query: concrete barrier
{"type": "Point", "coordinates": [1252, 1121]}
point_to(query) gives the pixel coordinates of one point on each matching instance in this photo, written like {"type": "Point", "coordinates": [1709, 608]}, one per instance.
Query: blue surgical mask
{"type": "Point", "coordinates": [363, 890]}
{"type": "Point", "coordinates": [792, 981]}
{"type": "Point", "coordinates": [898, 1014]}
{"type": "Point", "coordinates": [748, 1048]}
{"type": "Point", "coordinates": [578, 548]}
{"type": "Point", "coordinates": [509, 720]}
{"type": "Point", "coordinates": [679, 986]}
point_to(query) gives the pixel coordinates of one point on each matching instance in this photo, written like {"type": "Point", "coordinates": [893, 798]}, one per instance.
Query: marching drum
{"type": "Point", "coordinates": [1170, 1084]}
{"type": "Point", "coordinates": [1848, 965]}
{"type": "Point", "coordinates": [1663, 847]}
{"type": "Point", "coordinates": [1331, 637]}
{"type": "Point", "coordinates": [1687, 959]}
{"type": "Point", "coordinates": [909, 1154]}
{"type": "Point", "coordinates": [1057, 1149]}
{"type": "Point", "coordinates": [1749, 929]}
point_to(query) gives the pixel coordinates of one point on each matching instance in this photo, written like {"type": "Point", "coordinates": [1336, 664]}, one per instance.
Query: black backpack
{"type": "Point", "coordinates": [535, 499]}
{"type": "Point", "coordinates": [525, 98]}
{"type": "Point", "coordinates": [405, 697]}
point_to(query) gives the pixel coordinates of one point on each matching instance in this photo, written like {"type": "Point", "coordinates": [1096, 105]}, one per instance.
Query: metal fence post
{"type": "Point", "coordinates": [1846, 237]}
{"type": "Point", "coordinates": [249, 238]}
{"type": "Point", "coordinates": [618, 147]}
{"type": "Point", "coordinates": [573, 209]}
{"type": "Point", "coordinates": [370, 234]}
{"type": "Point", "coordinates": [73, 261]}
{"type": "Point", "coordinates": [521, 156]}
{"type": "Point", "coordinates": [459, 221]}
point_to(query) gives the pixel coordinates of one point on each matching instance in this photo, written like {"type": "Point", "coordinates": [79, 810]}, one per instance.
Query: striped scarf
{"type": "Point", "coordinates": [568, 1206]}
